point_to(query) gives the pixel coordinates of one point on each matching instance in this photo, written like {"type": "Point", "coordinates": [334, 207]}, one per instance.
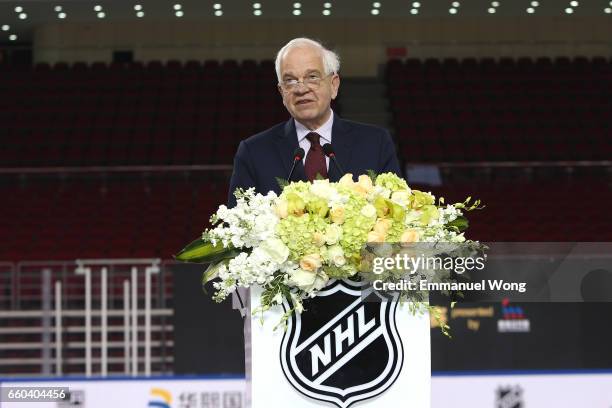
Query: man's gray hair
{"type": "Point", "coordinates": [331, 60]}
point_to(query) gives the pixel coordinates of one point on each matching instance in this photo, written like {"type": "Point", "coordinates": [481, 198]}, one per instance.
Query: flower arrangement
{"type": "Point", "coordinates": [294, 243]}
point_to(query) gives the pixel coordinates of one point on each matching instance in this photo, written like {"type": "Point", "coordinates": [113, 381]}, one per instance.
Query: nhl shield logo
{"type": "Point", "coordinates": [343, 350]}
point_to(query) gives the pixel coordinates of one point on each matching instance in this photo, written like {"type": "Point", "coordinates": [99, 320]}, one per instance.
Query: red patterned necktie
{"type": "Point", "coordinates": [315, 159]}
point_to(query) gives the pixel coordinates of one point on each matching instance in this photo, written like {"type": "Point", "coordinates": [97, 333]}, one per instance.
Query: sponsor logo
{"type": "Point", "coordinates": [160, 398]}
{"type": "Point", "coordinates": [344, 350]}
{"type": "Point", "coordinates": [509, 397]}
{"type": "Point", "coordinates": [513, 320]}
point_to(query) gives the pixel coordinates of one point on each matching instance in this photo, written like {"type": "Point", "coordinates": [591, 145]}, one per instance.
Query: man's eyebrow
{"type": "Point", "coordinates": [308, 72]}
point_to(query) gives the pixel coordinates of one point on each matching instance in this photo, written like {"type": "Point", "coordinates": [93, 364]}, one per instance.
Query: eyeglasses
{"type": "Point", "coordinates": [312, 81]}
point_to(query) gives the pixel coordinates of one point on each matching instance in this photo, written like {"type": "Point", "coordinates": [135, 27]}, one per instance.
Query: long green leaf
{"type": "Point", "coordinates": [212, 271]}
{"type": "Point", "coordinates": [202, 251]}
{"type": "Point", "coordinates": [461, 223]}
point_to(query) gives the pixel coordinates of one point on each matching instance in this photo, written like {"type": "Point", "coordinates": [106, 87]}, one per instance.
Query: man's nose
{"type": "Point", "coordinates": [301, 88]}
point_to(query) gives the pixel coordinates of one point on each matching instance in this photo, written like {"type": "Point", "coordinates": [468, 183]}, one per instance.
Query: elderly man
{"type": "Point", "coordinates": [308, 81]}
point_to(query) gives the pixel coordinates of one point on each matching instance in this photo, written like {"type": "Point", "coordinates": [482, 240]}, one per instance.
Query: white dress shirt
{"type": "Point", "coordinates": [325, 131]}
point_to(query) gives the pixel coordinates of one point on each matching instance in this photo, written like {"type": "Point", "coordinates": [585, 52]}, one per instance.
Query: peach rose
{"type": "Point", "coordinates": [375, 237]}
{"type": "Point", "coordinates": [409, 236]}
{"type": "Point", "coordinates": [382, 226]}
{"type": "Point", "coordinates": [337, 215]}
{"type": "Point", "coordinates": [310, 262]}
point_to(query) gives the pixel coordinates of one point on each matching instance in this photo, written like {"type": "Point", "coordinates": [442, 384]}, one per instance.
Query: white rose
{"type": "Point", "coordinates": [302, 279]}
{"type": "Point", "coordinates": [401, 197]}
{"type": "Point", "coordinates": [332, 234]}
{"type": "Point", "coordinates": [320, 281]}
{"type": "Point", "coordinates": [381, 191]}
{"type": "Point", "coordinates": [308, 281]}
{"type": "Point", "coordinates": [275, 249]}
{"type": "Point", "coordinates": [318, 239]}
{"type": "Point", "coordinates": [412, 216]}
{"type": "Point", "coordinates": [336, 255]}
{"type": "Point", "coordinates": [322, 188]}
{"type": "Point", "coordinates": [368, 211]}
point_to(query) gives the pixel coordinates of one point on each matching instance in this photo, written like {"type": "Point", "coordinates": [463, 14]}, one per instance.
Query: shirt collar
{"type": "Point", "coordinates": [325, 131]}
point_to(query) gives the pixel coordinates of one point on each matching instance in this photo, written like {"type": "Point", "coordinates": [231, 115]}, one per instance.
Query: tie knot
{"type": "Point", "coordinates": [314, 139]}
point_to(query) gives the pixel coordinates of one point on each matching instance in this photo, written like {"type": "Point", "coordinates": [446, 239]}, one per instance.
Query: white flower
{"type": "Point", "coordinates": [368, 211]}
{"type": "Point", "coordinates": [332, 234]}
{"type": "Point", "coordinates": [275, 249]}
{"type": "Point", "coordinates": [381, 191]}
{"type": "Point", "coordinates": [308, 281]}
{"type": "Point", "coordinates": [321, 188]}
{"type": "Point", "coordinates": [297, 303]}
{"type": "Point", "coordinates": [401, 197]}
{"type": "Point", "coordinates": [412, 216]}
{"type": "Point", "coordinates": [335, 255]}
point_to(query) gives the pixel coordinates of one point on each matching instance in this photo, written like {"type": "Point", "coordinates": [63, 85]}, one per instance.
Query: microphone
{"type": "Point", "coordinates": [329, 152]}
{"type": "Point", "coordinates": [298, 154]}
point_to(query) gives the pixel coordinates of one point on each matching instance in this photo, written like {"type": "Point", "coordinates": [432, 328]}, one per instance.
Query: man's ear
{"type": "Point", "coordinates": [335, 83]}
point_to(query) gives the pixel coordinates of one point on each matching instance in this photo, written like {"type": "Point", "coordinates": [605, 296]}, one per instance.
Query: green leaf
{"type": "Point", "coordinates": [212, 271]}
{"type": "Point", "coordinates": [202, 251]}
{"type": "Point", "coordinates": [282, 183]}
{"type": "Point", "coordinates": [372, 174]}
{"type": "Point", "coordinates": [461, 223]}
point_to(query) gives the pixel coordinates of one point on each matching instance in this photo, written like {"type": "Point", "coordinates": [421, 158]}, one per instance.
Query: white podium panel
{"type": "Point", "coordinates": [342, 351]}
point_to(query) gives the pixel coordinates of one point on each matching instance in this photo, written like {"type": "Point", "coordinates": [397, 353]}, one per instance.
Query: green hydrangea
{"type": "Point", "coordinates": [356, 226]}
{"type": "Point", "coordinates": [419, 199]}
{"type": "Point", "coordinates": [297, 233]}
{"type": "Point", "coordinates": [392, 182]}
{"type": "Point", "coordinates": [342, 272]}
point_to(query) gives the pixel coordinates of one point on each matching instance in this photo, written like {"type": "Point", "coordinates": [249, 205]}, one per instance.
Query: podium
{"type": "Point", "coordinates": [344, 350]}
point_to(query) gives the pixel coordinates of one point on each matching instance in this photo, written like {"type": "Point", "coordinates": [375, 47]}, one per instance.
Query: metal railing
{"type": "Point", "coordinates": [67, 317]}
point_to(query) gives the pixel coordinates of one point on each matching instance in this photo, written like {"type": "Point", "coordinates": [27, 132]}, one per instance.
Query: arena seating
{"type": "Point", "coordinates": [137, 219]}
{"type": "Point", "coordinates": [545, 211]}
{"type": "Point", "coordinates": [488, 110]}
{"type": "Point", "coordinates": [134, 114]}
{"type": "Point", "coordinates": [176, 113]}
{"type": "Point", "coordinates": [86, 219]}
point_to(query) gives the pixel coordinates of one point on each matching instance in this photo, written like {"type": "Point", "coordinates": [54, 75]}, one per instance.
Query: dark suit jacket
{"type": "Point", "coordinates": [263, 157]}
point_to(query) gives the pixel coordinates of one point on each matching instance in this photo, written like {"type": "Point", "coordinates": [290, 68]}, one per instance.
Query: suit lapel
{"type": "Point", "coordinates": [286, 144]}
{"type": "Point", "coordinates": [341, 142]}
